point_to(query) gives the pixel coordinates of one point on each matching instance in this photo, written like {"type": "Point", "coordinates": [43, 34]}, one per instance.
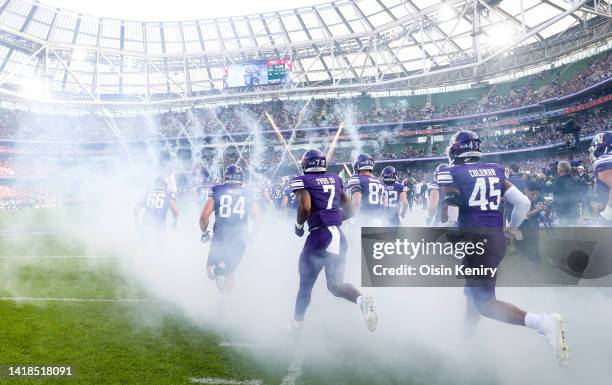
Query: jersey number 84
{"type": "Point", "coordinates": [227, 206]}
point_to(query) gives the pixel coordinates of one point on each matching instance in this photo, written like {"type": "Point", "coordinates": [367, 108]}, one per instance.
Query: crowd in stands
{"type": "Point", "coordinates": [13, 198]}
{"type": "Point", "coordinates": [595, 72]}
{"type": "Point", "coordinates": [200, 121]}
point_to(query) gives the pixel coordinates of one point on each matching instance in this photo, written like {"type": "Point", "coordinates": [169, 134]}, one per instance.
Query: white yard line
{"type": "Point", "coordinates": [241, 345]}
{"type": "Point", "coordinates": [61, 299]}
{"type": "Point", "coordinates": [223, 381]}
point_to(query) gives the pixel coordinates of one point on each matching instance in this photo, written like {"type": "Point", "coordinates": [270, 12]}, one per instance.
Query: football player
{"type": "Point", "coordinates": [433, 212]}
{"type": "Point", "coordinates": [277, 193]}
{"type": "Point", "coordinates": [601, 156]}
{"type": "Point", "coordinates": [367, 191]}
{"type": "Point", "coordinates": [232, 204]}
{"type": "Point", "coordinates": [156, 204]}
{"type": "Point", "coordinates": [477, 190]}
{"type": "Point", "coordinates": [289, 202]}
{"type": "Point", "coordinates": [397, 201]}
{"type": "Point", "coordinates": [323, 203]}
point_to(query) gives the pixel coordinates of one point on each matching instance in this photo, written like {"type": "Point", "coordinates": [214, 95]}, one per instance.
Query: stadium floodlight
{"type": "Point", "coordinates": [446, 13]}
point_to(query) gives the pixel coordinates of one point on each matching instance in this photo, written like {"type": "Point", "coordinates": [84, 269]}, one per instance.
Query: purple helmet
{"type": "Point", "coordinates": [233, 174]}
{"type": "Point", "coordinates": [464, 144]}
{"type": "Point", "coordinates": [364, 162]}
{"type": "Point", "coordinates": [389, 174]}
{"type": "Point", "coordinates": [601, 145]}
{"type": "Point", "coordinates": [314, 161]}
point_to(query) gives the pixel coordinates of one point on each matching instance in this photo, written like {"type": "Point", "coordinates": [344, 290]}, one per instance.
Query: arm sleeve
{"type": "Point", "coordinates": [297, 184]}
{"type": "Point", "coordinates": [445, 178]}
{"type": "Point", "coordinates": [354, 185]}
{"type": "Point", "coordinates": [521, 206]}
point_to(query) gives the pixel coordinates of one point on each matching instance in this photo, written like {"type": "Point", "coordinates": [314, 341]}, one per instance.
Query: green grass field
{"type": "Point", "coordinates": [102, 340]}
{"type": "Point", "coordinates": [61, 306]}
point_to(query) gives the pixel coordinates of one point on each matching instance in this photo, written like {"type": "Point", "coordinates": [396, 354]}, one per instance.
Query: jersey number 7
{"type": "Point", "coordinates": [331, 189]}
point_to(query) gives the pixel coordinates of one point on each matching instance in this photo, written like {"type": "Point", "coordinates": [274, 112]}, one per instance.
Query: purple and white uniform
{"type": "Point", "coordinates": [481, 216]}
{"type": "Point", "coordinates": [326, 245]}
{"type": "Point", "coordinates": [372, 195]}
{"type": "Point", "coordinates": [157, 203]}
{"type": "Point", "coordinates": [480, 185]}
{"type": "Point", "coordinates": [393, 191]}
{"type": "Point", "coordinates": [325, 191]}
{"type": "Point", "coordinates": [232, 203]}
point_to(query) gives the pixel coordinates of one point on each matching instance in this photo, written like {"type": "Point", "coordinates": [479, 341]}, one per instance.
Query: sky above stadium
{"type": "Point", "coordinates": [146, 10]}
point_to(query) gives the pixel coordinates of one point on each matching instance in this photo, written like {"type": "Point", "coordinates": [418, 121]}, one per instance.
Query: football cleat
{"type": "Point", "coordinates": [553, 328]}
{"type": "Point", "coordinates": [296, 326]}
{"type": "Point", "coordinates": [369, 313]}
{"type": "Point", "coordinates": [220, 281]}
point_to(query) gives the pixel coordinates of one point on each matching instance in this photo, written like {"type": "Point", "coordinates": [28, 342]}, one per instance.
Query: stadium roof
{"type": "Point", "coordinates": [53, 54]}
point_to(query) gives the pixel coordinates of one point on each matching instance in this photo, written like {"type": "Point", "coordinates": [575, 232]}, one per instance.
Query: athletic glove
{"type": "Point", "coordinates": [299, 230]}
{"type": "Point", "coordinates": [205, 238]}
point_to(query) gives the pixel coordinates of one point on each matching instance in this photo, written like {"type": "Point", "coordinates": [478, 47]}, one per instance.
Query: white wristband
{"type": "Point", "coordinates": [607, 213]}
{"type": "Point", "coordinates": [298, 226]}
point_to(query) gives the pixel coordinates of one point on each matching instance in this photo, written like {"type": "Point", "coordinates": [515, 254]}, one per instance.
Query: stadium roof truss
{"type": "Point", "coordinates": [56, 56]}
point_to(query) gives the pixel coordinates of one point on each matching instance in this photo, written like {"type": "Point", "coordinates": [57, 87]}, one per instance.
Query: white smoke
{"type": "Point", "coordinates": [419, 338]}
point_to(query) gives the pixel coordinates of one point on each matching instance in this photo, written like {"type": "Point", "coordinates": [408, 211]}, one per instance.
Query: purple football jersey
{"type": "Point", "coordinates": [372, 193]}
{"type": "Point", "coordinates": [291, 201]}
{"type": "Point", "coordinates": [325, 191]}
{"type": "Point", "coordinates": [481, 186]}
{"type": "Point", "coordinates": [393, 191]}
{"type": "Point", "coordinates": [232, 205]}
{"type": "Point", "coordinates": [157, 203]}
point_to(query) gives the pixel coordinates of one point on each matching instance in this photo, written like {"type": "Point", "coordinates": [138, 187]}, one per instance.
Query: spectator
{"type": "Point", "coordinates": [567, 195]}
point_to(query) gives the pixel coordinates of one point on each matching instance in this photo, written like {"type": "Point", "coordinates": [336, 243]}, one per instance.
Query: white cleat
{"type": "Point", "coordinates": [369, 313]}
{"type": "Point", "coordinates": [296, 326]}
{"type": "Point", "coordinates": [220, 281]}
{"type": "Point", "coordinates": [553, 328]}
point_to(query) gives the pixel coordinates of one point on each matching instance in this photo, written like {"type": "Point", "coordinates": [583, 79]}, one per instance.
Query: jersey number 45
{"type": "Point", "coordinates": [486, 195]}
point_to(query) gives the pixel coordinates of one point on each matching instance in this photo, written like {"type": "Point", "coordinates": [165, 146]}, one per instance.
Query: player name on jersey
{"type": "Point", "coordinates": [482, 172]}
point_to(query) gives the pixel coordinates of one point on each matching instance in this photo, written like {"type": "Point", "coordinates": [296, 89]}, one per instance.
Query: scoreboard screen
{"type": "Point", "coordinates": [257, 73]}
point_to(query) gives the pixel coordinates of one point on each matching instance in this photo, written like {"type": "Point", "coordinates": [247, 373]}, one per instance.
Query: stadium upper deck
{"type": "Point", "coordinates": [349, 46]}
{"type": "Point", "coordinates": [502, 104]}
